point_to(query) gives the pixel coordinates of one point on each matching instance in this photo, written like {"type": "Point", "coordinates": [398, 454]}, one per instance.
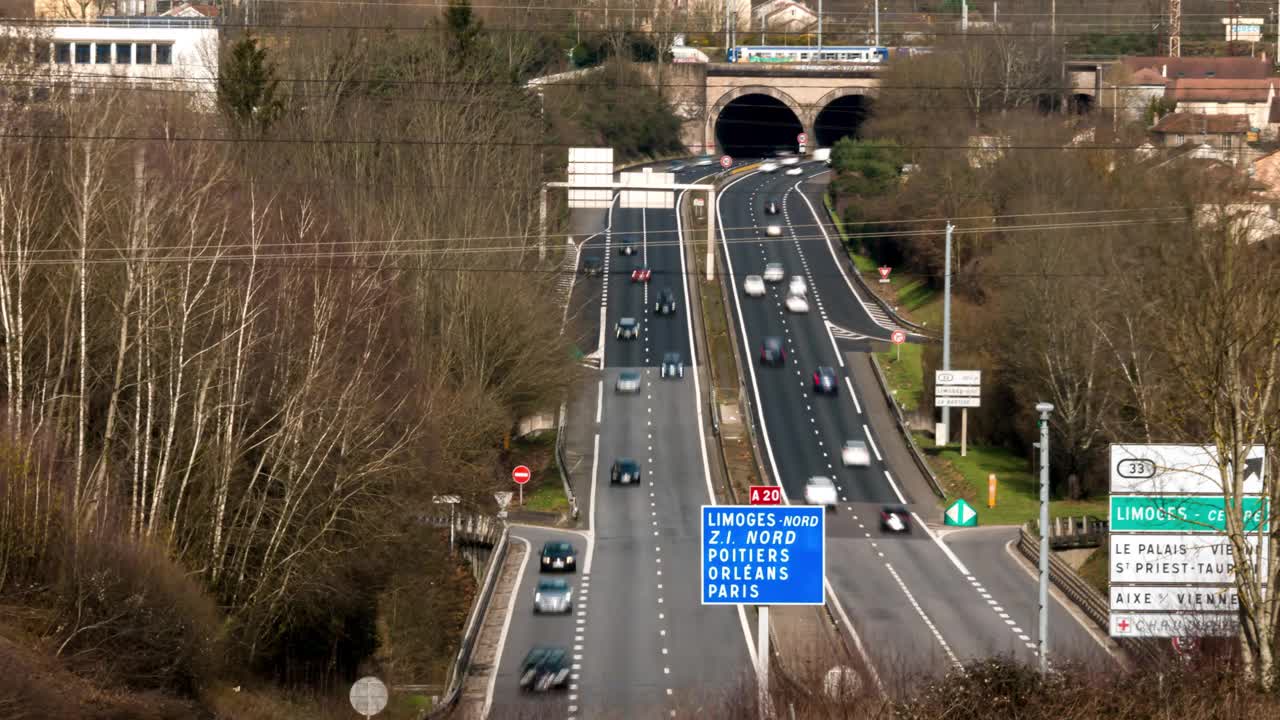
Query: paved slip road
{"type": "Point", "coordinates": [916, 605]}
{"type": "Point", "coordinates": [642, 643]}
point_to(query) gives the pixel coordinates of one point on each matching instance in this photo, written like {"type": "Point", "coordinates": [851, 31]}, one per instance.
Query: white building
{"type": "Point", "coordinates": [156, 52]}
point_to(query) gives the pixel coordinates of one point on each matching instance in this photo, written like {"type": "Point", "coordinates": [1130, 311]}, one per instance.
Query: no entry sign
{"type": "Point", "coordinates": [521, 474]}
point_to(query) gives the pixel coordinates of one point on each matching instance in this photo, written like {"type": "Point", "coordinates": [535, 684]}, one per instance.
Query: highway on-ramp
{"type": "Point", "coordinates": [916, 605]}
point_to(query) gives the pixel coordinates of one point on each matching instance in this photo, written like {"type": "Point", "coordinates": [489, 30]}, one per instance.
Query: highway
{"type": "Point", "coordinates": [642, 644]}
{"type": "Point", "coordinates": [916, 605]}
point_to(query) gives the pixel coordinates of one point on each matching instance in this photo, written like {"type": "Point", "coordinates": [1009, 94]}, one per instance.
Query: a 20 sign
{"type": "Point", "coordinates": [766, 495]}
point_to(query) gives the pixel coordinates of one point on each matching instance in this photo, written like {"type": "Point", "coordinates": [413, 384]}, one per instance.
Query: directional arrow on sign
{"type": "Point", "coordinates": [961, 514]}
{"type": "Point", "coordinates": [1253, 469]}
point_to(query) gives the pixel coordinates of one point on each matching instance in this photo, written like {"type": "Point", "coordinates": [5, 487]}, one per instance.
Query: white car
{"type": "Point", "coordinates": [773, 272]}
{"type": "Point", "coordinates": [773, 230]}
{"type": "Point", "coordinates": [820, 491]}
{"type": "Point", "coordinates": [797, 304]}
{"type": "Point", "coordinates": [753, 285]}
{"type": "Point", "coordinates": [794, 171]}
{"type": "Point", "coordinates": [789, 160]}
{"type": "Point", "coordinates": [797, 285]}
{"type": "Point", "coordinates": [704, 161]}
{"type": "Point", "coordinates": [768, 167]}
{"type": "Point", "coordinates": [855, 452]}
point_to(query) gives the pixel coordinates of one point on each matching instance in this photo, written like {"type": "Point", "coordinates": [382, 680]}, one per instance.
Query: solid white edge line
{"type": "Point", "coordinates": [697, 402]}
{"type": "Point", "coordinates": [591, 517]}
{"type": "Point", "coordinates": [894, 485]}
{"type": "Point", "coordinates": [506, 625]}
{"type": "Point", "coordinates": [764, 432]}
{"type": "Point", "coordinates": [604, 306]}
{"type": "Point", "coordinates": [945, 550]}
{"type": "Point", "coordinates": [836, 259]}
{"type": "Point", "coordinates": [867, 432]}
{"type": "Point", "coordinates": [834, 346]}
{"type": "Point", "coordinates": [853, 395]}
{"type": "Point", "coordinates": [599, 400]}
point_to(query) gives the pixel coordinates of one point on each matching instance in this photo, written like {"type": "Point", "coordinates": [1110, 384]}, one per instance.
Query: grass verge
{"type": "Point", "coordinates": [548, 496]}
{"type": "Point", "coordinates": [903, 368]}
{"type": "Point", "coordinates": [1095, 570]}
{"type": "Point", "coordinates": [1017, 489]}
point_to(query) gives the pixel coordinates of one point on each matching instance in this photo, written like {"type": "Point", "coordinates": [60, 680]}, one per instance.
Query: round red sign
{"type": "Point", "coordinates": [726, 162]}
{"type": "Point", "coordinates": [521, 474]}
{"type": "Point", "coordinates": [898, 337]}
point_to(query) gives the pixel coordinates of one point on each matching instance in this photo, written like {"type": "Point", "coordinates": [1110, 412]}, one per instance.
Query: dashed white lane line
{"type": "Point", "coordinates": [924, 616]}
{"type": "Point", "coordinates": [872, 442]}
{"type": "Point", "coordinates": [852, 395]}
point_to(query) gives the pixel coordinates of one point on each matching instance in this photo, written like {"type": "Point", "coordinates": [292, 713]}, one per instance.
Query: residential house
{"type": "Point", "coordinates": [191, 10]}
{"type": "Point", "coordinates": [1221, 132]}
{"type": "Point", "coordinates": [1175, 68]}
{"type": "Point", "coordinates": [784, 16]}
{"type": "Point", "coordinates": [1217, 96]}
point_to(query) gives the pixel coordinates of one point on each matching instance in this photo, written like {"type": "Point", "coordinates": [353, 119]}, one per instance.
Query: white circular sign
{"type": "Point", "coordinates": [726, 162]}
{"type": "Point", "coordinates": [369, 696]}
{"type": "Point", "coordinates": [802, 138]}
{"type": "Point", "coordinates": [898, 337]}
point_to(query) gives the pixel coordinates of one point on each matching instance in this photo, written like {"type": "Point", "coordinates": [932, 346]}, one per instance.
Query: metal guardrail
{"type": "Point", "coordinates": [1090, 601]}
{"type": "Point", "coordinates": [1081, 532]}
{"type": "Point", "coordinates": [562, 463]}
{"type": "Point", "coordinates": [912, 448]}
{"type": "Point", "coordinates": [462, 661]}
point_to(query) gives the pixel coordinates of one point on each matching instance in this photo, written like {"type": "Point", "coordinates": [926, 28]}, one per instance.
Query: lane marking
{"type": "Point", "coordinates": [925, 617]}
{"type": "Point", "coordinates": [873, 446]}
{"type": "Point", "coordinates": [591, 519]}
{"type": "Point", "coordinates": [506, 625]}
{"type": "Point", "coordinates": [945, 550]}
{"type": "Point", "coordinates": [834, 346]}
{"type": "Point", "coordinates": [599, 399]}
{"type": "Point", "coordinates": [896, 491]}
{"type": "Point", "coordinates": [852, 395]}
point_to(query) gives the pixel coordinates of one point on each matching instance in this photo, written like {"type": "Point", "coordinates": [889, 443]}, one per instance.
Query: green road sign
{"type": "Point", "coordinates": [1162, 513]}
{"type": "Point", "coordinates": [961, 514]}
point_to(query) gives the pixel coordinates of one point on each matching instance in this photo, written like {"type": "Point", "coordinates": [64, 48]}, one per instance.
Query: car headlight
{"type": "Point", "coordinates": [537, 597]}
{"type": "Point", "coordinates": [546, 560]}
{"type": "Point", "coordinates": [569, 559]}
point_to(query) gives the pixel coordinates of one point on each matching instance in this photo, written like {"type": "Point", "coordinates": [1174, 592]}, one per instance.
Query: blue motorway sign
{"type": "Point", "coordinates": [763, 555]}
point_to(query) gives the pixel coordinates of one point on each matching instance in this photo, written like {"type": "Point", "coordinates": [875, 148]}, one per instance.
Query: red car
{"type": "Point", "coordinates": [640, 274]}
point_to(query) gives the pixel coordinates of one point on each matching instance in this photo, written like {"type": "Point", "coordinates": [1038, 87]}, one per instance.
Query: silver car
{"type": "Point", "coordinates": [628, 382]}
{"type": "Point", "coordinates": [553, 596]}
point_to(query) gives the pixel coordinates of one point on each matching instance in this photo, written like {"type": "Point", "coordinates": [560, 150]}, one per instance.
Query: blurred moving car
{"type": "Point", "coordinates": [627, 246]}
{"type": "Point", "coordinates": [553, 596]}
{"type": "Point", "coordinates": [627, 329]}
{"type": "Point", "coordinates": [824, 380]}
{"type": "Point", "coordinates": [641, 274]}
{"type": "Point", "coordinates": [895, 518]}
{"type": "Point", "coordinates": [789, 160]}
{"type": "Point", "coordinates": [753, 285]}
{"type": "Point", "coordinates": [772, 353]}
{"type": "Point", "coordinates": [625, 472]}
{"type": "Point", "coordinates": [773, 230]}
{"type": "Point", "coordinates": [797, 285]}
{"type": "Point", "coordinates": [676, 166]}
{"type": "Point", "coordinates": [793, 171]}
{"type": "Point", "coordinates": [773, 272]}
{"type": "Point", "coordinates": [666, 303]}
{"type": "Point", "coordinates": [855, 452]}
{"type": "Point", "coordinates": [820, 490]}
{"type": "Point", "coordinates": [672, 365]}
{"type": "Point", "coordinates": [704, 161]}
{"type": "Point", "coordinates": [768, 167]}
{"type": "Point", "coordinates": [544, 668]}
{"type": "Point", "coordinates": [628, 382]}
{"type": "Point", "coordinates": [558, 555]}
{"type": "Point", "coordinates": [591, 265]}
{"type": "Point", "coordinates": [771, 208]}
{"type": "Point", "coordinates": [797, 304]}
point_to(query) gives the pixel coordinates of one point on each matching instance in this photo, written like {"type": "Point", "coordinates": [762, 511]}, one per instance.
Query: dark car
{"type": "Point", "coordinates": [627, 246]}
{"type": "Point", "coordinates": [895, 518]}
{"type": "Point", "coordinates": [625, 472]}
{"type": "Point", "coordinates": [545, 668]}
{"type": "Point", "coordinates": [558, 555]}
{"type": "Point", "coordinates": [772, 353]}
{"type": "Point", "coordinates": [627, 329]}
{"type": "Point", "coordinates": [825, 381]}
{"type": "Point", "coordinates": [591, 265]}
{"type": "Point", "coordinates": [672, 365]}
{"type": "Point", "coordinates": [771, 208]}
{"type": "Point", "coordinates": [553, 596]}
{"type": "Point", "coordinates": [666, 304]}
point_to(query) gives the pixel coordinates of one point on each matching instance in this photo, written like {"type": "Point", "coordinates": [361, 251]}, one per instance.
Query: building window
{"type": "Point", "coordinates": [144, 53]}
{"type": "Point", "coordinates": [1179, 139]}
{"type": "Point", "coordinates": [82, 53]}
{"type": "Point", "coordinates": [102, 53]}
{"type": "Point", "coordinates": [124, 53]}
{"type": "Point", "coordinates": [42, 53]}
{"type": "Point", "coordinates": [164, 54]}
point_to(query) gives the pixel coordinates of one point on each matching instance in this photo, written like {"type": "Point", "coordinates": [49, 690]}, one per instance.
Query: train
{"type": "Point", "coordinates": [828, 54]}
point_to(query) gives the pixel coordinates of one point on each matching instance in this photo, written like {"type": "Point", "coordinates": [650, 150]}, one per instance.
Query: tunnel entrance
{"type": "Point", "coordinates": [840, 118]}
{"type": "Point", "coordinates": [756, 125]}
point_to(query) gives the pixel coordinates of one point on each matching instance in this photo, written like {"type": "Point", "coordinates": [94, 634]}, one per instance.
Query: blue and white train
{"type": "Point", "coordinates": [811, 54]}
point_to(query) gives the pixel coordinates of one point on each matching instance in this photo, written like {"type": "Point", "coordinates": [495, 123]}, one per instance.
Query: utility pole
{"type": "Point", "coordinates": [1175, 28]}
{"type": "Point", "coordinates": [1053, 18]}
{"type": "Point", "coordinates": [1044, 409]}
{"type": "Point", "coordinates": [877, 4]}
{"type": "Point", "coordinates": [946, 331]}
{"type": "Point", "coordinates": [964, 16]}
{"type": "Point", "coordinates": [819, 24]}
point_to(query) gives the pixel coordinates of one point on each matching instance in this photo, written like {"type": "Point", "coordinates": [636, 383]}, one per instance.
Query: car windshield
{"type": "Point", "coordinates": [671, 358]}
{"type": "Point", "coordinates": [826, 373]}
{"type": "Point", "coordinates": [553, 586]}
{"type": "Point", "coordinates": [855, 445]}
{"type": "Point", "coordinates": [895, 510]}
{"type": "Point", "coordinates": [773, 266]}
{"type": "Point", "coordinates": [629, 376]}
{"type": "Point", "coordinates": [665, 294]}
{"type": "Point", "coordinates": [557, 548]}
{"type": "Point", "coordinates": [772, 343]}
{"type": "Point", "coordinates": [627, 322]}
{"type": "Point", "coordinates": [820, 482]}
{"type": "Point", "coordinates": [627, 465]}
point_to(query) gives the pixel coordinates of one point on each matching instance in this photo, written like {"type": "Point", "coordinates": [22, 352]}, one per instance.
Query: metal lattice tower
{"type": "Point", "coordinates": [1175, 28]}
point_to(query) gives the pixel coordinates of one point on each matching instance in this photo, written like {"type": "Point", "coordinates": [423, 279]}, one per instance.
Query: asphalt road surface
{"type": "Point", "coordinates": [916, 605]}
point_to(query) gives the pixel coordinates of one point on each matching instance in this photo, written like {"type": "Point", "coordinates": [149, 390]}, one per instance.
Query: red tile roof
{"type": "Point", "coordinates": [1202, 124]}
{"type": "Point", "coordinates": [1220, 90]}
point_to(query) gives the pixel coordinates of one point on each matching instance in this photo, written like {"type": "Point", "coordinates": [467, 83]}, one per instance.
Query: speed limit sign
{"type": "Point", "coordinates": [898, 337]}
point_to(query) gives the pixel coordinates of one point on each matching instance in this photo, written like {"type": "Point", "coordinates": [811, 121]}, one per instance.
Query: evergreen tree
{"type": "Point", "coordinates": [247, 86]}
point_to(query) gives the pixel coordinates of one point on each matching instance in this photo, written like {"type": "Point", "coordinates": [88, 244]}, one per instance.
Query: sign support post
{"type": "Point", "coordinates": [964, 432]}
{"type": "Point", "coordinates": [1044, 409]}
{"type": "Point", "coordinates": [944, 437]}
{"type": "Point", "coordinates": [711, 233]}
{"type": "Point", "coordinates": [762, 670]}
{"type": "Point", "coordinates": [542, 222]}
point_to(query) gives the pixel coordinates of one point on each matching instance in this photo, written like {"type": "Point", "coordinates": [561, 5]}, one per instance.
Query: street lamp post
{"type": "Point", "coordinates": [1044, 409]}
